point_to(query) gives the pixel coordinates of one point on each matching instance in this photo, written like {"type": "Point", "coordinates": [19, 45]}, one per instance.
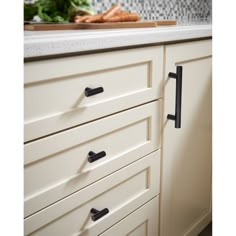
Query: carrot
{"type": "Point", "coordinates": [124, 18]}
{"type": "Point", "coordinates": [79, 19]}
{"type": "Point", "coordinates": [114, 14]}
{"type": "Point", "coordinates": [122, 13]}
{"type": "Point", "coordinates": [111, 12]}
{"type": "Point", "coordinates": [99, 17]}
{"type": "Point", "coordinates": [95, 18]}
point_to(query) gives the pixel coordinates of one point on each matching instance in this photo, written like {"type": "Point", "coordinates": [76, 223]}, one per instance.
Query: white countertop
{"type": "Point", "coordinates": [48, 43]}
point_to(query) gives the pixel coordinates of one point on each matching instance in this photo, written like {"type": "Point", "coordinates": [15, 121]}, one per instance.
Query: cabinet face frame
{"type": "Point", "coordinates": [191, 55]}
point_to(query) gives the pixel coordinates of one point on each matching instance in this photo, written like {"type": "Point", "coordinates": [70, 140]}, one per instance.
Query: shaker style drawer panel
{"type": "Point", "coordinates": [142, 222]}
{"type": "Point", "coordinates": [61, 164]}
{"type": "Point", "coordinates": [109, 200]}
{"type": "Point", "coordinates": [56, 97]}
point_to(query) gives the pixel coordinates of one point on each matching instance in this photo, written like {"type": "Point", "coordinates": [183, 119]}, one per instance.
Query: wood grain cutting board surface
{"type": "Point", "coordinates": [74, 26]}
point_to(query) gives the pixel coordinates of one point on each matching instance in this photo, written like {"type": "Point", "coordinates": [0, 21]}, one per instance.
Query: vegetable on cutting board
{"type": "Point", "coordinates": [114, 14]}
{"type": "Point", "coordinates": [57, 10]}
{"type": "Point", "coordinates": [111, 12]}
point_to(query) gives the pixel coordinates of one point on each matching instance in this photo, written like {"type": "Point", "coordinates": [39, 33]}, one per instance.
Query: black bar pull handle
{"type": "Point", "coordinates": [178, 96]}
{"type": "Point", "coordinates": [98, 214]}
{"type": "Point", "coordinates": [95, 156]}
{"type": "Point", "coordinates": [90, 92]}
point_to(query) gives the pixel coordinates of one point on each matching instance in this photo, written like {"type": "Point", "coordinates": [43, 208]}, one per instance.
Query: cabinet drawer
{"type": "Point", "coordinates": [121, 192]}
{"type": "Point", "coordinates": [142, 222]}
{"type": "Point", "coordinates": [55, 89]}
{"type": "Point", "coordinates": [58, 165]}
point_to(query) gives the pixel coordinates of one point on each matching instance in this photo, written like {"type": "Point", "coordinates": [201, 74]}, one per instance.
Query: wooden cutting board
{"type": "Point", "coordinates": [74, 26]}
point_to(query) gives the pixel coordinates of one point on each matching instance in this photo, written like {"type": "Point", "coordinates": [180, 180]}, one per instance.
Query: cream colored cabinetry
{"type": "Point", "coordinates": [101, 157]}
{"type": "Point", "coordinates": [186, 158]}
{"type": "Point", "coordinates": [92, 140]}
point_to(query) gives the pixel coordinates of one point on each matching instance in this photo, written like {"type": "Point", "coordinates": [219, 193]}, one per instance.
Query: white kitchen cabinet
{"type": "Point", "coordinates": [92, 152]}
{"type": "Point", "coordinates": [186, 155]}
{"type": "Point", "coordinates": [128, 121]}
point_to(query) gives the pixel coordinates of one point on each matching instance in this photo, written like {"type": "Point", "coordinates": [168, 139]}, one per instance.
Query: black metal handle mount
{"type": "Point", "coordinates": [91, 92]}
{"type": "Point", "coordinates": [178, 96]}
{"type": "Point", "coordinates": [95, 156]}
{"type": "Point", "coordinates": [98, 214]}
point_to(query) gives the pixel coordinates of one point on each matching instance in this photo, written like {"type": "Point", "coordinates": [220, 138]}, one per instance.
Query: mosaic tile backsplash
{"type": "Point", "coordinates": [184, 11]}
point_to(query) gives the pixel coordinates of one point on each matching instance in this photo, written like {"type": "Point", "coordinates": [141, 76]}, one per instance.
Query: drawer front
{"type": "Point", "coordinates": [121, 192]}
{"type": "Point", "coordinates": [55, 89]}
{"type": "Point", "coordinates": [142, 222]}
{"type": "Point", "coordinates": [63, 158]}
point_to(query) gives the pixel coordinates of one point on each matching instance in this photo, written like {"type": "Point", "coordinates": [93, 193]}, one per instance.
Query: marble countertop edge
{"type": "Point", "coordinates": [49, 43]}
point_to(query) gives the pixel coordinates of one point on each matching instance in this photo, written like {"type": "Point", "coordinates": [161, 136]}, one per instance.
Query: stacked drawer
{"type": "Point", "coordinates": [92, 134]}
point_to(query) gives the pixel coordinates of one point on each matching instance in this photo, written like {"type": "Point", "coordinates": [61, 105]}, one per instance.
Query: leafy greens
{"type": "Point", "coordinates": [57, 10]}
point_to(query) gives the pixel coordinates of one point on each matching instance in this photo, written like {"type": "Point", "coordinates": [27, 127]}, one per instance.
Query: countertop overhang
{"type": "Point", "coordinates": [49, 43]}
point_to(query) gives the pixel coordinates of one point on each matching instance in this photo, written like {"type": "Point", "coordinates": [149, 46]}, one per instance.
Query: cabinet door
{"type": "Point", "coordinates": [187, 151]}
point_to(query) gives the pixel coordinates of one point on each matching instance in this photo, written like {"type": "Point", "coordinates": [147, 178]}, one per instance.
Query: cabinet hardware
{"type": "Point", "coordinates": [95, 156]}
{"type": "Point", "coordinates": [98, 214]}
{"type": "Point", "coordinates": [178, 96]}
{"type": "Point", "coordinates": [90, 92]}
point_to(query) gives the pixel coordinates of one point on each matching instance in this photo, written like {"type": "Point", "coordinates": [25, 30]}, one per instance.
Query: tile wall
{"type": "Point", "coordinates": [184, 11]}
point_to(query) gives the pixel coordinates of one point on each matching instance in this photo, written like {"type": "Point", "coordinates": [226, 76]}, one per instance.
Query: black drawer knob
{"type": "Point", "coordinates": [91, 92]}
{"type": "Point", "coordinates": [95, 156]}
{"type": "Point", "coordinates": [98, 214]}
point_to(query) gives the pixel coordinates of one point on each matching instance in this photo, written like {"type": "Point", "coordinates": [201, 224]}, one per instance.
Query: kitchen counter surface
{"type": "Point", "coordinates": [49, 43]}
